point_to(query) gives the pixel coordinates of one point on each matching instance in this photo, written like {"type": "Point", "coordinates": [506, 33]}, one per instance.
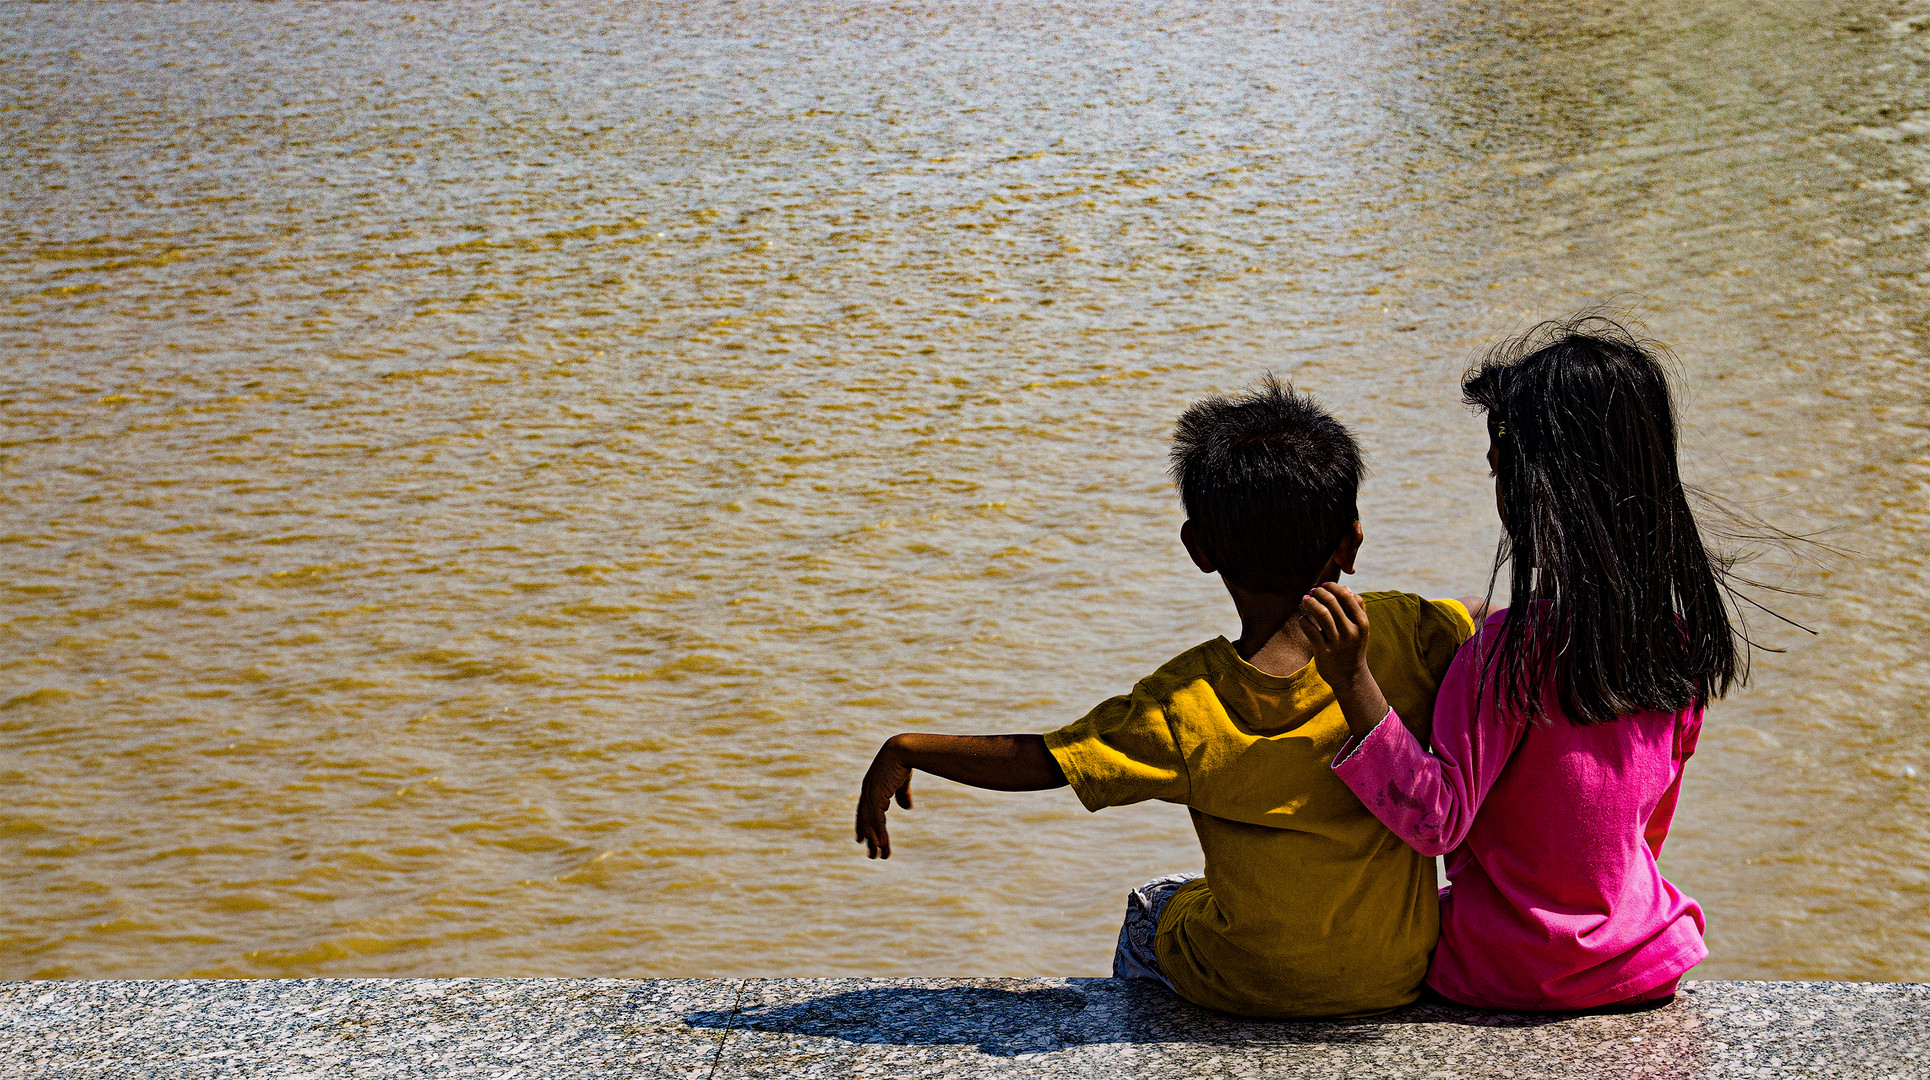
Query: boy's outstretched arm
{"type": "Point", "coordinates": [998, 762]}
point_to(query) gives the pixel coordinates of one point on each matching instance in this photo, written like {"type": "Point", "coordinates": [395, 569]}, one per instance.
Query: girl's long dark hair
{"type": "Point", "coordinates": [1615, 594]}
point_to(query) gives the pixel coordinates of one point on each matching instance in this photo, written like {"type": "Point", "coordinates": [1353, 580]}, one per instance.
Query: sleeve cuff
{"type": "Point", "coordinates": [1355, 742]}
{"type": "Point", "coordinates": [1059, 744]}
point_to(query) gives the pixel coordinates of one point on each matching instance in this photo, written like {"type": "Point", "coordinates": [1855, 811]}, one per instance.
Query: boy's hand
{"type": "Point", "coordinates": [1337, 622]}
{"type": "Point", "coordinates": [997, 762]}
{"type": "Point", "coordinates": [889, 777]}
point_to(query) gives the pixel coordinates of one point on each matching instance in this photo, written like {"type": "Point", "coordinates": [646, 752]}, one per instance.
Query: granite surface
{"type": "Point", "coordinates": [962, 1028]}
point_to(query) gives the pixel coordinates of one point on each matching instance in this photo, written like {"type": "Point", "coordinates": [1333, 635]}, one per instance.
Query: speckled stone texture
{"type": "Point", "coordinates": [961, 1028]}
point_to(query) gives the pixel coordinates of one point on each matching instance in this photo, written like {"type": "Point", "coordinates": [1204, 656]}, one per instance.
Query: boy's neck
{"type": "Point", "coordinates": [1273, 637]}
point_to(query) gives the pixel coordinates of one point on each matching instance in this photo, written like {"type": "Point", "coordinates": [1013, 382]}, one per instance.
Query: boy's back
{"type": "Point", "coordinates": [1309, 906]}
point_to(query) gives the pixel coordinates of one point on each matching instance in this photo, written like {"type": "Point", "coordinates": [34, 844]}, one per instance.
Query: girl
{"type": "Point", "coordinates": [1562, 727]}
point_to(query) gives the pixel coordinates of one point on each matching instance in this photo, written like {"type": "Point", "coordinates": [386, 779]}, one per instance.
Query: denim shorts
{"type": "Point", "coordinates": [1134, 958]}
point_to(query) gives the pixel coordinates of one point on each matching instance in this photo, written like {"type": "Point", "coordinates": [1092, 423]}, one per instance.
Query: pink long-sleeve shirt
{"type": "Point", "coordinates": [1551, 833]}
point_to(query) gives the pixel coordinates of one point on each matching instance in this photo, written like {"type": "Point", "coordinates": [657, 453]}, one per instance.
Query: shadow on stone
{"type": "Point", "coordinates": [1003, 1023]}
{"type": "Point", "coordinates": [1007, 1022]}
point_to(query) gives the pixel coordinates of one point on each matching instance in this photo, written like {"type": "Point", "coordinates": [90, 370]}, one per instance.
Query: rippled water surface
{"type": "Point", "coordinates": [479, 481]}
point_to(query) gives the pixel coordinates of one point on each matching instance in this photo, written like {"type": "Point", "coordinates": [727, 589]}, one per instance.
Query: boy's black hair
{"type": "Point", "coordinates": [1268, 479]}
{"type": "Point", "coordinates": [1615, 594]}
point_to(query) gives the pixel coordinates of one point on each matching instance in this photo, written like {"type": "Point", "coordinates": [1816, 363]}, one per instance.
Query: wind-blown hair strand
{"type": "Point", "coordinates": [1614, 592]}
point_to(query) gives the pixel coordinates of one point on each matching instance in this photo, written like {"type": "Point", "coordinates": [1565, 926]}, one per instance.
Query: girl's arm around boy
{"type": "Point", "coordinates": [1441, 790]}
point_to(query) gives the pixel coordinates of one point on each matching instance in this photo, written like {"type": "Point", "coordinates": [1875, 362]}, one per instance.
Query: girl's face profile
{"type": "Point", "coordinates": [1494, 473]}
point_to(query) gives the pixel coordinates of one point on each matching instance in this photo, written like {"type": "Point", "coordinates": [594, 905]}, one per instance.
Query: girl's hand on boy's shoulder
{"type": "Point", "coordinates": [1338, 623]}
{"type": "Point", "coordinates": [1337, 628]}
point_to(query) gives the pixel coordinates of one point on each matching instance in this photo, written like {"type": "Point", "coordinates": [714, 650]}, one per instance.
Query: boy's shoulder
{"type": "Point", "coordinates": [1411, 643]}
{"type": "Point", "coordinates": [1405, 612]}
{"type": "Point", "coordinates": [1187, 669]}
{"type": "Point", "coordinates": [1208, 685]}
{"type": "Point", "coordinates": [1403, 618]}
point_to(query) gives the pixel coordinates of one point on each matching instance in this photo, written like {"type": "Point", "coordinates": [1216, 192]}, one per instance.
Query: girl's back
{"type": "Point", "coordinates": [1561, 729]}
{"type": "Point", "coordinates": [1557, 902]}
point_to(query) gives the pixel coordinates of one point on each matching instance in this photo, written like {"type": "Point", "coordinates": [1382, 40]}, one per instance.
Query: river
{"type": "Point", "coordinates": [479, 481]}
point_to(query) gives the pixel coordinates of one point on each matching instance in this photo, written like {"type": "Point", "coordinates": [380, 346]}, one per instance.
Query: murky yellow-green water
{"type": "Point", "coordinates": [479, 482]}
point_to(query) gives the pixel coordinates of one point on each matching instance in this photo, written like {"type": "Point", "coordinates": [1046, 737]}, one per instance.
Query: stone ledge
{"type": "Point", "coordinates": [961, 1028]}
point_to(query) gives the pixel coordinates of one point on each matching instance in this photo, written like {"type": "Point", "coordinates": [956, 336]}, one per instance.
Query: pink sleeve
{"type": "Point", "coordinates": [1688, 727]}
{"type": "Point", "coordinates": [1429, 800]}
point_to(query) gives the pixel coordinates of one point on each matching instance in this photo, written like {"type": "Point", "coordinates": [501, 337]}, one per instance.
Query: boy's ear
{"type": "Point", "coordinates": [1191, 538]}
{"type": "Point", "coordinates": [1348, 550]}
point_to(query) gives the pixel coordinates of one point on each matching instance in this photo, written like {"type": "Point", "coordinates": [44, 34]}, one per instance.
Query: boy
{"type": "Point", "coordinates": [1309, 907]}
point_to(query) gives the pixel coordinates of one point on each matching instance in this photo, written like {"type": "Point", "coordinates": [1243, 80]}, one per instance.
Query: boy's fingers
{"type": "Point", "coordinates": [877, 842]}
{"type": "Point", "coordinates": [874, 801]}
{"type": "Point", "coordinates": [871, 823]}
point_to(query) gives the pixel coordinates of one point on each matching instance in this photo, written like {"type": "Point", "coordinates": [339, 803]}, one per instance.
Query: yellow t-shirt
{"type": "Point", "coordinates": [1309, 906]}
